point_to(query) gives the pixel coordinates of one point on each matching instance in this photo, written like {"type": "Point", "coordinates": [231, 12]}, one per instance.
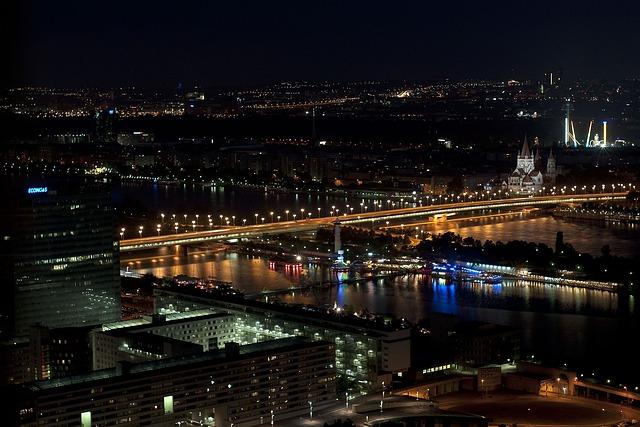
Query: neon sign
{"type": "Point", "coordinates": [37, 190]}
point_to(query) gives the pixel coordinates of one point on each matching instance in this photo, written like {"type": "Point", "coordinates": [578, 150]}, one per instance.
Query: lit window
{"type": "Point", "coordinates": [168, 404]}
{"type": "Point", "coordinates": [85, 419]}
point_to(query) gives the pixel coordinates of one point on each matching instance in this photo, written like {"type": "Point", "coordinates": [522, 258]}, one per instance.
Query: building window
{"type": "Point", "coordinates": [85, 419]}
{"type": "Point", "coordinates": [168, 405]}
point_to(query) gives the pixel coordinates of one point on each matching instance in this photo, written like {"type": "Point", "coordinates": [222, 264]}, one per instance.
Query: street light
{"type": "Point", "coordinates": [122, 230]}
{"type": "Point", "coordinates": [140, 230]}
{"type": "Point", "coordinates": [310, 409]}
{"type": "Point", "coordinates": [256, 215]}
{"type": "Point", "coordinates": [287, 213]}
{"type": "Point", "coordinates": [158, 228]}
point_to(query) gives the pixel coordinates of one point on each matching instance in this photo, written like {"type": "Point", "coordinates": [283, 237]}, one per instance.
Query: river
{"type": "Point", "coordinates": [590, 330]}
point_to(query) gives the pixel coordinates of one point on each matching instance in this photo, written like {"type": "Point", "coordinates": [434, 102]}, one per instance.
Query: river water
{"type": "Point", "coordinates": [590, 330]}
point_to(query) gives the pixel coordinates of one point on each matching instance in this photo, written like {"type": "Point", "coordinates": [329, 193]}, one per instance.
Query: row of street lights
{"type": "Point", "coordinates": [363, 207]}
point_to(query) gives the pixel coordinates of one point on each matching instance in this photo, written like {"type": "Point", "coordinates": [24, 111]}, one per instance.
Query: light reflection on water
{"type": "Point", "coordinates": [406, 296]}
{"type": "Point", "coordinates": [562, 324]}
{"type": "Point", "coordinates": [624, 240]}
{"type": "Point", "coordinates": [578, 326]}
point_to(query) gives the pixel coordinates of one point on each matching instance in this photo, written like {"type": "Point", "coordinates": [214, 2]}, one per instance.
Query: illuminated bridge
{"type": "Point", "coordinates": [362, 218]}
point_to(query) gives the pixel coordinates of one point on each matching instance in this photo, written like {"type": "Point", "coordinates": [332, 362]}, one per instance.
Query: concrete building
{"type": "Point", "coordinates": [478, 344]}
{"type": "Point", "coordinates": [160, 336]}
{"type": "Point", "coordinates": [366, 353]}
{"type": "Point", "coordinates": [239, 386]}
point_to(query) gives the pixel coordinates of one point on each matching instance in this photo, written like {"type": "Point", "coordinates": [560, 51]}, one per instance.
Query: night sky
{"type": "Point", "coordinates": [219, 43]}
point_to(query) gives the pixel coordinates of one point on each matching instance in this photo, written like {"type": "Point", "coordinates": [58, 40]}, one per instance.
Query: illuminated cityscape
{"type": "Point", "coordinates": [335, 214]}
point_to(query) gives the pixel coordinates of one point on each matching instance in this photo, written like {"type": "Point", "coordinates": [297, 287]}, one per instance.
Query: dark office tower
{"type": "Point", "coordinates": [106, 132]}
{"type": "Point", "coordinates": [59, 259]}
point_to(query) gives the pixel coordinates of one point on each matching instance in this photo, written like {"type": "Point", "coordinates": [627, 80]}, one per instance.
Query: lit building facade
{"type": "Point", "coordinates": [365, 353]}
{"type": "Point", "coordinates": [528, 176]}
{"type": "Point", "coordinates": [239, 386]}
{"type": "Point", "coordinates": [160, 336]}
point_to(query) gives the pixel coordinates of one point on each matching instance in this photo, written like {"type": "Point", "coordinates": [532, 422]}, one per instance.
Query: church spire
{"type": "Point", "coordinates": [525, 148]}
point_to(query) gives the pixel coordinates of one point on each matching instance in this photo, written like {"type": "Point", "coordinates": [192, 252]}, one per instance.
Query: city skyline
{"type": "Point", "coordinates": [339, 214]}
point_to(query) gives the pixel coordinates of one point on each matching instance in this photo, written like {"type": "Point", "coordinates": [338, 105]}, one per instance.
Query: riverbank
{"type": "Point", "coordinates": [597, 215]}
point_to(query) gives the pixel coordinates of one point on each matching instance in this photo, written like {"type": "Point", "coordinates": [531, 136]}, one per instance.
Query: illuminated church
{"type": "Point", "coordinates": [527, 178]}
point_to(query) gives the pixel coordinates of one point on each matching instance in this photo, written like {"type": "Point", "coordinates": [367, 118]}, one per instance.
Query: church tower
{"type": "Point", "coordinates": [525, 158]}
{"type": "Point", "coordinates": [551, 168]}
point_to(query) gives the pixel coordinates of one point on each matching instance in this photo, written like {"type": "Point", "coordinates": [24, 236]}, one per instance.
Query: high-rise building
{"type": "Point", "coordinates": [106, 120]}
{"type": "Point", "coordinates": [59, 258]}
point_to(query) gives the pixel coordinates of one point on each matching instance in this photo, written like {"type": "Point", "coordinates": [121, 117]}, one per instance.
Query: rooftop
{"type": "Point", "coordinates": [148, 321]}
{"type": "Point", "coordinates": [307, 314]}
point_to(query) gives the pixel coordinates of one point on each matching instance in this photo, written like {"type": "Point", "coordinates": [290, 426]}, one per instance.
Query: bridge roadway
{"type": "Point", "coordinates": [385, 215]}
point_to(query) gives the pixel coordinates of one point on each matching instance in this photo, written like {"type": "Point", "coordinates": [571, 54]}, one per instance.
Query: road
{"type": "Point", "coordinates": [533, 410]}
{"type": "Point", "coordinates": [361, 218]}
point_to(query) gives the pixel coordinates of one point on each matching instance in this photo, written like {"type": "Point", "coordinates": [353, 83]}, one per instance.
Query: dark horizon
{"type": "Point", "coordinates": [219, 45]}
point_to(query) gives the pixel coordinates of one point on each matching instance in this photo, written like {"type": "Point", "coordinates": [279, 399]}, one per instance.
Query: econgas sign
{"type": "Point", "coordinates": [37, 190]}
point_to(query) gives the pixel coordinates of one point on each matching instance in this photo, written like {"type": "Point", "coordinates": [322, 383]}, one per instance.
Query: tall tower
{"type": "Point", "coordinates": [106, 121]}
{"type": "Point", "coordinates": [314, 134]}
{"type": "Point", "coordinates": [59, 257]}
{"type": "Point", "coordinates": [567, 110]}
{"type": "Point", "coordinates": [337, 243]}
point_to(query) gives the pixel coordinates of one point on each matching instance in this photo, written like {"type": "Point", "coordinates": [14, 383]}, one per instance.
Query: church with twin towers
{"type": "Point", "coordinates": [530, 175]}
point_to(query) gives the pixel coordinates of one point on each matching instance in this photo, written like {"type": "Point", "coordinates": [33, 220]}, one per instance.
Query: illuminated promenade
{"type": "Point", "coordinates": [360, 218]}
